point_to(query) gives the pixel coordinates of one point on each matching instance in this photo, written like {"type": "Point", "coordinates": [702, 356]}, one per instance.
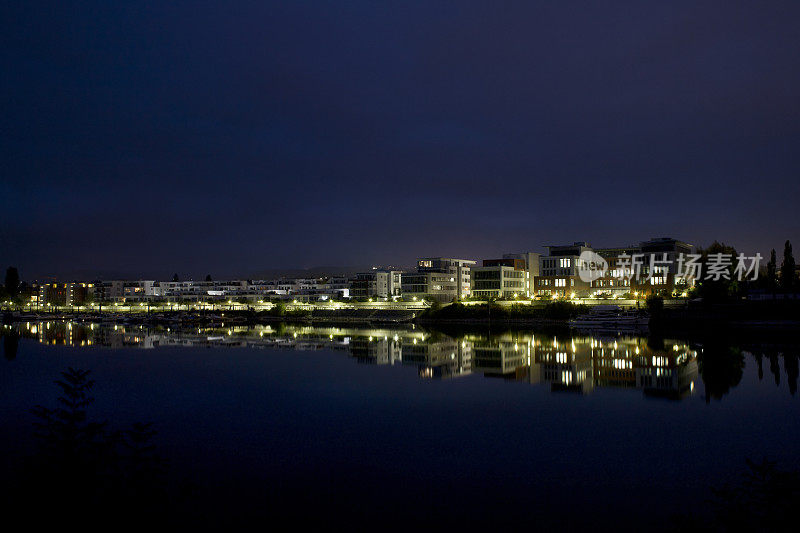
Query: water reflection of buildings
{"type": "Point", "coordinates": [578, 364]}
{"type": "Point", "coordinates": [439, 357]}
{"type": "Point", "coordinates": [502, 357]}
{"type": "Point", "coordinates": [381, 350]}
{"type": "Point", "coordinates": [581, 364]}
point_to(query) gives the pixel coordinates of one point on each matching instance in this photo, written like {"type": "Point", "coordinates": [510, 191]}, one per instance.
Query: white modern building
{"type": "Point", "coordinates": [377, 283]}
{"type": "Point", "coordinates": [532, 265]}
{"type": "Point", "coordinates": [440, 279]}
{"type": "Point", "coordinates": [558, 272]}
{"type": "Point", "coordinates": [198, 290]}
{"type": "Point", "coordinates": [498, 281]}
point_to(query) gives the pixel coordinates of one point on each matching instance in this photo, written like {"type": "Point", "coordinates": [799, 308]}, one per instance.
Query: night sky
{"type": "Point", "coordinates": [143, 139]}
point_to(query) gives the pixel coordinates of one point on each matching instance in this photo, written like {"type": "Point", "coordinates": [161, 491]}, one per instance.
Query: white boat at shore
{"type": "Point", "coordinates": [610, 317]}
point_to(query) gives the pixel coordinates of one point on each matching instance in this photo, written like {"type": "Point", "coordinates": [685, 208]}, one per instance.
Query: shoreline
{"type": "Point", "coordinates": [686, 322]}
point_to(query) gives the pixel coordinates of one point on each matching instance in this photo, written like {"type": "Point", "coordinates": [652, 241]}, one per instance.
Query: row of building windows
{"type": "Point", "coordinates": [562, 262]}
{"type": "Point", "coordinates": [611, 283]}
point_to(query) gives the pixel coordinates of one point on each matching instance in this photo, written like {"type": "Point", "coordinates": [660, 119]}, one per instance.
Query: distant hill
{"type": "Point", "coordinates": [313, 272]}
{"type": "Point", "coordinates": [271, 273]}
{"type": "Point", "coordinates": [91, 275]}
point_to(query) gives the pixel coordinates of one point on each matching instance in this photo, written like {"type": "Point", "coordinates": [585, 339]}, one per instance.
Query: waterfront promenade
{"type": "Point", "coordinates": [259, 306]}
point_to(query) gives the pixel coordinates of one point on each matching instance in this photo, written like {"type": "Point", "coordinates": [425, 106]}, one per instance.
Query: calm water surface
{"type": "Point", "coordinates": [418, 426]}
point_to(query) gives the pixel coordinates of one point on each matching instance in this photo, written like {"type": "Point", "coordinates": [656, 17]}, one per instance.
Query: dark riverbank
{"type": "Point", "coordinates": [693, 318]}
{"type": "Point", "coordinates": [729, 317]}
{"type": "Point", "coordinates": [233, 317]}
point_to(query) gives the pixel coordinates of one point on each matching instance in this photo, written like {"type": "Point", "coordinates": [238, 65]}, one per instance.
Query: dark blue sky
{"type": "Point", "coordinates": [232, 137]}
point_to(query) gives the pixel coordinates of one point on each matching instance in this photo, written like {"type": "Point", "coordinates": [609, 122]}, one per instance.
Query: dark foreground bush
{"type": "Point", "coordinates": [80, 466]}
{"type": "Point", "coordinates": [550, 311]}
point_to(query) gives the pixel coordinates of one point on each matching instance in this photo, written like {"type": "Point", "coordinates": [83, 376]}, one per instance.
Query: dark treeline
{"type": "Point", "coordinates": [772, 277]}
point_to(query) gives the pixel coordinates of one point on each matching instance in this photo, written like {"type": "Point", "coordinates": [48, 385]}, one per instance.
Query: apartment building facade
{"type": "Point", "coordinates": [613, 283]}
{"type": "Point", "coordinates": [650, 267]}
{"type": "Point", "coordinates": [558, 272]}
{"type": "Point", "coordinates": [376, 283]}
{"type": "Point", "coordinates": [108, 290]}
{"type": "Point", "coordinates": [439, 279]}
{"type": "Point", "coordinates": [500, 278]}
{"type": "Point", "coordinates": [191, 290]}
{"type": "Point", "coordinates": [532, 262]}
